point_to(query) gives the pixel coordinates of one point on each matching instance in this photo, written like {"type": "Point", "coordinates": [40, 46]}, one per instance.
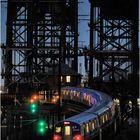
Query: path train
{"type": "Point", "coordinates": [88, 124]}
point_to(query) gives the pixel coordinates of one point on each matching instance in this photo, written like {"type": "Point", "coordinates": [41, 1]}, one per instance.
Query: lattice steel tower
{"type": "Point", "coordinates": [114, 43]}
{"type": "Point", "coordinates": [40, 33]}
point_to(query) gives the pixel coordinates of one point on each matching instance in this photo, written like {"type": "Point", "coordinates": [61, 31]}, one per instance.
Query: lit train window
{"type": "Point", "coordinates": [58, 129]}
{"type": "Point", "coordinates": [78, 94]}
{"type": "Point", "coordinates": [93, 125]}
{"type": "Point", "coordinates": [103, 119]}
{"type": "Point", "coordinates": [87, 128]}
{"type": "Point", "coordinates": [67, 130]}
{"type": "Point", "coordinates": [90, 126]}
{"type": "Point", "coordinates": [106, 117]}
{"type": "Point", "coordinates": [88, 99]}
{"type": "Point", "coordinates": [61, 78]}
{"type": "Point", "coordinates": [68, 92]}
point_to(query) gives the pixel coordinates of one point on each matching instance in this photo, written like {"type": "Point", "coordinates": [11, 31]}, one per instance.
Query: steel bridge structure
{"type": "Point", "coordinates": [39, 35]}
{"type": "Point", "coordinates": [44, 33]}
{"type": "Point", "coordinates": [114, 43]}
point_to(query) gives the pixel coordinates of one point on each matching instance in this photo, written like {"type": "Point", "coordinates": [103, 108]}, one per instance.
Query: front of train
{"type": "Point", "coordinates": [67, 130]}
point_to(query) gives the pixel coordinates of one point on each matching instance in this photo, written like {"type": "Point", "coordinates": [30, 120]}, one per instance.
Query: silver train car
{"type": "Point", "coordinates": [86, 125]}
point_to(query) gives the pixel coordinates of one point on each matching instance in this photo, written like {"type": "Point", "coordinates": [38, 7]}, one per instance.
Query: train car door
{"type": "Point", "coordinates": [67, 132]}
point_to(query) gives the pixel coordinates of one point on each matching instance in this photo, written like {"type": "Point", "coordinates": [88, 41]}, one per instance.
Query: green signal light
{"type": "Point", "coordinates": [33, 105]}
{"type": "Point", "coordinates": [33, 108]}
{"type": "Point", "coordinates": [41, 123]}
{"type": "Point", "coordinates": [41, 130]}
{"type": "Point", "coordinates": [41, 127]}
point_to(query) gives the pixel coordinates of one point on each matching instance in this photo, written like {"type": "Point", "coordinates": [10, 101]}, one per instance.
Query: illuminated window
{"type": "Point", "coordinates": [61, 78]}
{"type": "Point", "coordinates": [87, 128]}
{"type": "Point", "coordinates": [106, 117]}
{"type": "Point", "coordinates": [58, 129]}
{"type": "Point", "coordinates": [138, 101]}
{"type": "Point", "coordinates": [93, 125]}
{"type": "Point", "coordinates": [103, 119]}
{"type": "Point", "coordinates": [67, 130]}
{"type": "Point", "coordinates": [130, 104]}
{"type": "Point", "coordinates": [68, 79]}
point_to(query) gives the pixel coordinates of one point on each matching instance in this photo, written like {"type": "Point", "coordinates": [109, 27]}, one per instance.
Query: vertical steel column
{"type": "Point", "coordinates": [63, 33]}
{"type": "Point", "coordinates": [75, 67]}
{"type": "Point", "coordinates": [9, 43]}
{"type": "Point", "coordinates": [62, 51]}
{"type": "Point", "coordinates": [29, 63]}
{"type": "Point", "coordinates": [90, 76]}
{"type": "Point", "coordinates": [135, 59]}
{"type": "Point", "coordinates": [101, 44]}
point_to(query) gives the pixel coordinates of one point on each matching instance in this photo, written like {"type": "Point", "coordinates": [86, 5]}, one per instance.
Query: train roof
{"type": "Point", "coordinates": [103, 103]}
{"type": "Point", "coordinates": [82, 118]}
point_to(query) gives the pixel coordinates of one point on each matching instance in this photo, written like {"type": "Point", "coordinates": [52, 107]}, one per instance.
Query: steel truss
{"type": "Point", "coordinates": [40, 34]}
{"type": "Point", "coordinates": [114, 42]}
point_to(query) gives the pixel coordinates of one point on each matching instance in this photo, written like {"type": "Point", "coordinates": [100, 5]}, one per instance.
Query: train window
{"type": "Point", "coordinates": [78, 94]}
{"type": "Point", "coordinates": [71, 92]}
{"type": "Point", "coordinates": [75, 130]}
{"type": "Point", "coordinates": [106, 117]}
{"type": "Point", "coordinates": [87, 128]}
{"type": "Point", "coordinates": [89, 98]}
{"type": "Point", "coordinates": [67, 130]}
{"type": "Point", "coordinates": [90, 126]}
{"type": "Point", "coordinates": [84, 129]}
{"type": "Point", "coordinates": [103, 119]}
{"type": "Point", "coordinates": [58, 129]}
{"type": "Point", "coordinates": [93, 125]}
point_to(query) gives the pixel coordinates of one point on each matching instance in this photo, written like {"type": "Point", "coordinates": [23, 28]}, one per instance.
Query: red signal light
{"type": "Point", "coordinates": [56, 137]}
